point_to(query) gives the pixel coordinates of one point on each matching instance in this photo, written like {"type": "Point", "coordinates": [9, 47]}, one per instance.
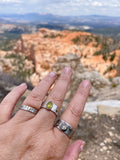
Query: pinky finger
{"type": "Point", "coordinates": [8, 103]}
{"type": "Point", "coordinates": [74, 150]}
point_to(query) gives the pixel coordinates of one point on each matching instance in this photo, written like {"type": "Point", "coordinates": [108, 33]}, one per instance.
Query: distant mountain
{"type": "Point", "coordinates": [94, 21]}
{"type": "Point", "coordinates": [32, 17]}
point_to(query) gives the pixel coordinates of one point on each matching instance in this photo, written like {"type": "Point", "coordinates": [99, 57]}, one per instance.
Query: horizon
{"type": "Point", "coordinates": [55, 7]}
{"type": "Point", "coordinates": [59, 15]}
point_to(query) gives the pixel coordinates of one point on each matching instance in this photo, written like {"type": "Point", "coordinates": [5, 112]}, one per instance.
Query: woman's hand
{"type": "Point", "coordinates": [29, 136]}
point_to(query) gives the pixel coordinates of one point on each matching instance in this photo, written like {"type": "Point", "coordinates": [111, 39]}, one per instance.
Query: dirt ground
{"type": "Point", "coordinates": [102, 136]}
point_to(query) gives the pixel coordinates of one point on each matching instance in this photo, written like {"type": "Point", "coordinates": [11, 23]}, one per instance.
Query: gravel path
{"type": "Point", "coordinates": [102, 137]}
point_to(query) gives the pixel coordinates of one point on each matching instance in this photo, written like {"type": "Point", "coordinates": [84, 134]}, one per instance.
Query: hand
{"type": "Point", "coordinates": [27, 136]}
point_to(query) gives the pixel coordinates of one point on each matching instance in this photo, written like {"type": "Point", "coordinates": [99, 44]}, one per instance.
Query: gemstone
{"type": "Point", "coordinates": [49, 105]}
{"type": "Point", "coordinates": [64, 127]}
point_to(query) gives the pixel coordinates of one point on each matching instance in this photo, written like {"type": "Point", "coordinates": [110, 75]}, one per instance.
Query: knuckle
{"type": "Point", "coordinates": [36, 97]}
{"type": "Point", "coordinates": [75, 110]}
{"type": "Point", "coordinates": [82, 93]}
{"type": "Point", "coordinates": [64, 78]}
{"type": "Point", "coordinates": [5, 102]}
{"type": "Point", "coordinates": [56, 97]}
{"type": "Point", "coordinates": [46, 81]}
{"type": "Point", "coordinates": [21, 139]}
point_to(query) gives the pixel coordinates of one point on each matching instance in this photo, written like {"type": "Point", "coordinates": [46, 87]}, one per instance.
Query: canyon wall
{"type": "Point", "coordinates": [45, 46]}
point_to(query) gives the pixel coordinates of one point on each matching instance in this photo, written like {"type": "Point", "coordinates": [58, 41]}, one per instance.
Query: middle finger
{"type": "Point", "coordinates": [57, 96]}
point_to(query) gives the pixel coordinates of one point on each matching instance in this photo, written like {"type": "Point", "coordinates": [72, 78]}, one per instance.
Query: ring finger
{"type": "Point", "coordinates": [72, 114]}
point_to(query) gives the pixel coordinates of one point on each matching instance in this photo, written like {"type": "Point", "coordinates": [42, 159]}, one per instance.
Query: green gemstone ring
{"type": "Point", "coordinates": [50, 106]}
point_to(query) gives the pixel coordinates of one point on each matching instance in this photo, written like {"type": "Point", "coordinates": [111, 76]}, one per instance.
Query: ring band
{"type": "Point", "coordinates": [29, 109]}
{"type": "Point", "coordinates": [49, 105]}
{"type": "Point", "coordinates": [65, 127]}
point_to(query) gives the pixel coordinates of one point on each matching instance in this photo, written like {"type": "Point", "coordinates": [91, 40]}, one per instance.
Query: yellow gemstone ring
{"type": "Point", "coordinates": [49, 105]}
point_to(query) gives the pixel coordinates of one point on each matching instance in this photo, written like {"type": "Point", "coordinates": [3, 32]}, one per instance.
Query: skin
{"type": "Point", "coordinates": [27, 136]}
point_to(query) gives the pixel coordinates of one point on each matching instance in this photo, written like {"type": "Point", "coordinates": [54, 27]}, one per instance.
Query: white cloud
{"type": "Point", "coordinates": [82, 3]}
{"type": "Point", "coordinates": [10, 1]}
{"type": "Point", "coordinates": [62, 7]}
{"type": "Point", "coordinates": [95, 3]}
{"type": "Point", "coordinates": [77, 7]}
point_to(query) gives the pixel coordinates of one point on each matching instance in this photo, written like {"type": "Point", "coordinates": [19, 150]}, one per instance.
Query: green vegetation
{"type": "Point", "coordinates": [112, 56]}
{"type": "Point", "coordinates": [76, 40]}
{"type": "Point", "coordinates": [97, 53]}
{"type": "Point", "coordinates": [110, 68]}
{"type": "Point", "coordinates": [113, 32]}
{"type": "Point", "coordinates": [108, 46]}
{"type": "Point", "coordinates": [86, 39]}
{"type": "Point", "coordinates": [52, 36]}
{"type": "Point", "coordinates": [8, 40]}
{"type": "Point", "coordinates": [75, 30]}
{"type": "Point", "coordinates": [20, 70]}
{"type": "Point", "coordinates": [114, 85]}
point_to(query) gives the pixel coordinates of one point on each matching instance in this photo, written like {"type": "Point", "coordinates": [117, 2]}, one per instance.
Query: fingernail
{"type": "Point", "coordinates": [86, 83]}
{"type": "Point", "coordinates": [67, 69]}
{"type": "Point", "coordinates": [23, 84]}
{"type": "Point", "coordinates": [52, 74]}
{"type": "Point", "coordinates": [82, 146]}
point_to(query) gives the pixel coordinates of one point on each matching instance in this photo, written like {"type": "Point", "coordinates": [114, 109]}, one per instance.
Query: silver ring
{"type": "Point", "coordinates": [49, 105]}
{"type": "Point", "coordinates": [65, 127]}
{"type": "Point", "coordinates": [29, 109]}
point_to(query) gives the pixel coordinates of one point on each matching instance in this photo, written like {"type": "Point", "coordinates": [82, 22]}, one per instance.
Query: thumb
{"type": "Point", "coordinates": [74, 150]}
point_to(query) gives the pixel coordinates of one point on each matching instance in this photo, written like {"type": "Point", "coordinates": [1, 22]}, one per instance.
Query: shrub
{"type": "Point", "coordinates": [76, 40]}
{"type": "Point", "coordinates": [97, 53]}
{"type": "Point", "coordinates": [19, 66]}
{"type": "Point", "coordinates": [110, 68]}
{"type": "Point", "coordinates": [105, 57]}
{"type": "Point", "coordinates": [52, 35]}
{"type": "Point", "coordinates": [97, 39]}
{"type": "Point", "coordinates": [114, 85]}
{"type": "Point", "coordinates": [112, 57]}
{"type": "Point", "coordinates": [108, 46]}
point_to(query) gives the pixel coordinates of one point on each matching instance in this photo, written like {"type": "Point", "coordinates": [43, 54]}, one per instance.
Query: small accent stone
{"type": "Point", "coordinates": [49, 105]}
{"type": "Point", "coordinates": [64, 127]}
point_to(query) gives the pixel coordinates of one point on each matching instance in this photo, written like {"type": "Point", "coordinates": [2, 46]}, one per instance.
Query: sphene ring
{"type": "Point", "coordinates": [29, 109]}
{"type": "Point", "coordinates": [65, 127]}
{"type": "Point", "coordinates": [49, 105]}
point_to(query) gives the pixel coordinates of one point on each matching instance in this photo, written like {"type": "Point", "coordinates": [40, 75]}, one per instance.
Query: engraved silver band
{"type": "Point", "coordinates": [65, 127]}
{"type": "Point", "coordinates": [29, 109]}
{"type": "Point", "coordinates": [49, 105]}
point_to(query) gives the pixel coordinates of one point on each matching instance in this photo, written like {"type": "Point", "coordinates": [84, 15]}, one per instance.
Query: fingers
{"type": "Point", "coordinates": [74, 150]}
{"type": "Point", "coordinates": [74, 110]}
{"type": "Point", "coordinates": [57, 96]}
{"type": "Point", "coordinates": [9, 102]}
{"type": "Point", "coordinates": [36, 97]}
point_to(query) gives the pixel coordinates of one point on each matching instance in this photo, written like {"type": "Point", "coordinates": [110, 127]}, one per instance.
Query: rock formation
{"type": "Point", "coordinates": [18, 65]}
{"type": "Point", "coordinates": [46, 45]}
{"type": "Point", "coordinates": [80, 73]}
{"type": "Point", "coordinates": [5, 64]}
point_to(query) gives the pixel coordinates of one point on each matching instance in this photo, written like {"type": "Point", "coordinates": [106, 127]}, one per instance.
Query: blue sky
{"type": "Point", "coordinates": [62, 7]}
